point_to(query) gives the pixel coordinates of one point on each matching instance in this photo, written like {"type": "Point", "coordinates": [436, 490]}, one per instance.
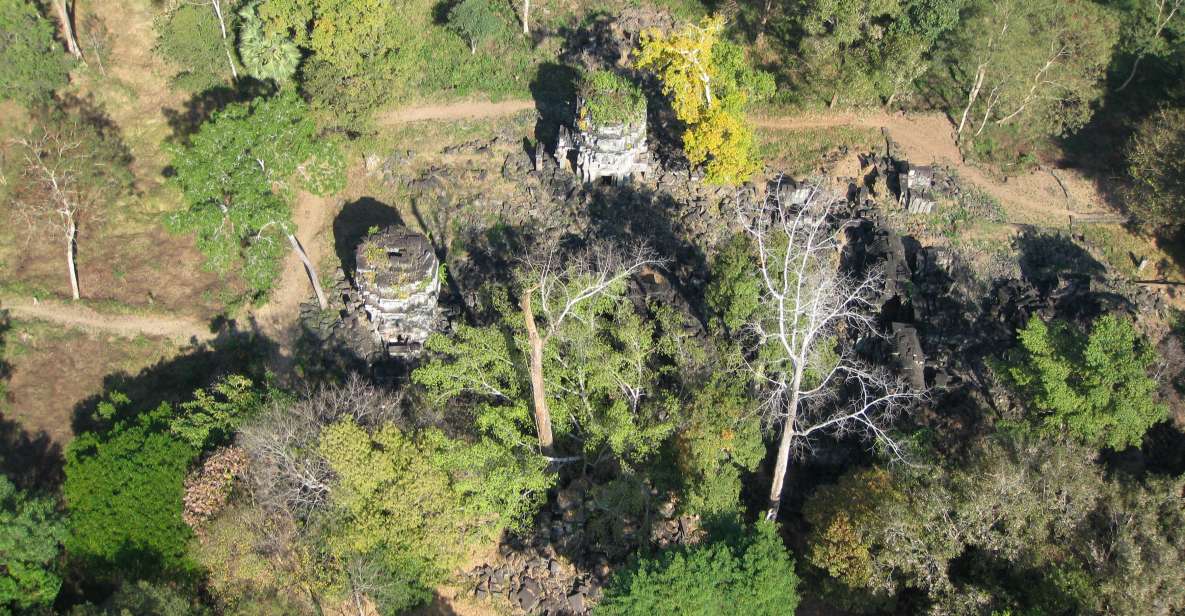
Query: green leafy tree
{"type": "Point", "coordinates": [1148, 29]}
{"type": "Point", "coordinates": [752, 575]}
{"type": "Point", "coordinates": [31, 536]}
{"type": "Point", "coordinates": [601, 364]}
{"type": "Point", "coordinates": [124, 486]}
{"type": "Point", "coordinates": [1094, 387]}
{"type": "Point", "coordinates": [214, 414]}
{"type": "Point", "coordinates": [709, 83]}
{"type": "Point", "coordinates": [1021, 525]}
{"type": "Point", "coordinates": [32, 64]}
{"type": "Point", "coordinates": [417, 503]}
{"type": "Point", "coordinates": [719, 441]}
{"type": "Point", "coordinates": [236, 174]}
{"type": "Point", "coordinates": [1156, 168]}
{"type": "Point", "coordinates": [144, 597]}
{"type": "Point", "coordinates": [265, 55]}
{"type": "Point", "coordinates": [475, 21]}
{"type": "Point", "coordinates": [1039, 64]}
{"type": "Point", "coordinates": [733, 294]}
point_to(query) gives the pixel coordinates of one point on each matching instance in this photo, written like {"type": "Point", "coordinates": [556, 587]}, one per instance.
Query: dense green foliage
{"type": "Point", "coordinates": [752, 575]}
{"type": "Point", "coordinates": [215, 414]}
{"type": "Point", "coordinates": [1094, 387]}
{"type": "Point", "coordinates": [237, 174]}
{"type": "Point", "coordinates": [1156, 166]}
{"type": "Point", "coordinates": [265, 55]}
{"type": "Point", "coordinates": [32, 64]}
{"type": "Point", "coordinates": [990, 534]}
{"type": "Point", "coordinates": [604, 345]}
{"type": "Point", "coordinates": [31, 536]}
{"type": "Point", "coordinates": [610, 99]}
{"type": "Point", "coordinates": [417, 503]}
{"type": "Point", "coordinates": [123, 492]}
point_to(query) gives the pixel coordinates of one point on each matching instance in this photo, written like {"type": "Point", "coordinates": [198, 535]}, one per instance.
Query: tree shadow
{"type": "Point", "coordinates": [630, 214]}
{"type": "Point", "coordinates": [235, 350]}
{"type": "Point", "coordinates": [31, 461]}
{"type": "Point", "coordinates": [186, 121]}
{"type": "Point", "coordinates": [354, 222]}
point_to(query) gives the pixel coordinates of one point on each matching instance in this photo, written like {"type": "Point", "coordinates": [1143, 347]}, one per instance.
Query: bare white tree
{"type": "Point", "coordinates": [63, 183]}
{"type": "Point", "coordinates": [812, 383]}
{"type": "Point", "coordinates": [553, 288]}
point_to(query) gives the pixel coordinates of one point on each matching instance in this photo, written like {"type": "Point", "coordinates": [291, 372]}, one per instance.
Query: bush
{"type": "Point", "coordinates": [32, 64]}
{"type": "Point", "coordinates": [475, 21]}
{"type": "Point", "coordinates": [31, 534]}
{"type": "Point", "coordinates": [610, 99]}
{"type": "Point", "coordinates": [751, 575]}
{"type": "Point", "coordinates": [191, 39]}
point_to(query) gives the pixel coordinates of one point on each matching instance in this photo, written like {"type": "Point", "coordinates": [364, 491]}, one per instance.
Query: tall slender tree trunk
{"type": "Point", "coordinates": [68, 27]}
{"type": "Point", "coordinates": [538, 396]}
{"type": "Point", "coordinates": [526, 16]}
{"type": "Point", "coordinates": [217, 4]}
{"type": "Point", "coordinates": [769, 7]}
{"type": "Point", "coordinates": [971, 97]}
{"type": "Point", "coordinates": [783, 460]}
{"type": "Point", "coordinates": [71, 236]}
{"type": "Point", "coordinates": [310, 270]}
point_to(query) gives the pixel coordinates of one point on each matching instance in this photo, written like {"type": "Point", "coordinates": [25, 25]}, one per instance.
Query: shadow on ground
{"type": "Point", "coordinates": [354, 222]}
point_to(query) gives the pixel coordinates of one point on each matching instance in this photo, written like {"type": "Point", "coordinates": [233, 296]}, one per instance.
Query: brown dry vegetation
{"type": "Point", "coordinates": [55, 368]}
{"type": "Point", "coordinates": [125, 257]}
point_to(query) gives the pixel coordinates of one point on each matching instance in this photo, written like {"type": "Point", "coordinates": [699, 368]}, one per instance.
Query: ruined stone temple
{"type": "Point", "coordinates": [917, 189]}
{"type": "Point", "coordinates": [398, 280]}
{"type": "Point", "coordinates": [607, 145]}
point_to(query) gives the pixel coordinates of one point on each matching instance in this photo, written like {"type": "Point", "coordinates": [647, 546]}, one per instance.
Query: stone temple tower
{"type": "Point", "coordinates": [609, 141]}
{"type": "Point", "coordinates": [398, 279]}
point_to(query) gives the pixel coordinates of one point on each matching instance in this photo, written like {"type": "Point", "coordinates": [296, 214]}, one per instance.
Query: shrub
{"type": "Point", "coordinates": [475, 21]}
{"type": "Point", "coordinates": [265, 55]}
{"type": "Point", "coordinates": [610, 99]}
{"type": "Point", "coordinates": [190, 38]}
{"type": "Point", "coordinates": [32, 64]}
{"type": "Point", "coordinates": [751, 575]}
{"type": "Point", "coordinates": [31, 534]}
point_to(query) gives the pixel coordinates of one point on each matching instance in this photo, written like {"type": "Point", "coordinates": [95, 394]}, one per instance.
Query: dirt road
{"type": "Point", "coordinates": [923, 138]}
{"type": "Point", "coordinates": [182, 329]}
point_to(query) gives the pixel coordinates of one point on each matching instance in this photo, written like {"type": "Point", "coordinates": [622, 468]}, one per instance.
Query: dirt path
{"type": "Point", "coordinates": [1031, 197]}
{"type": "Point", "coordinates": [128, 325]}
{"type": "Point", "coordinates": [470, 110]}
{"type": "Point", "coordinates": [1035, 197]}
{"type": "Point", "coordinates": [313, 217]}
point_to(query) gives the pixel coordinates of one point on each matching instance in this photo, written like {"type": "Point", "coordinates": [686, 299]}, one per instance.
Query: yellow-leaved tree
{"type": "Point", "coordinates": [710, 83]}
